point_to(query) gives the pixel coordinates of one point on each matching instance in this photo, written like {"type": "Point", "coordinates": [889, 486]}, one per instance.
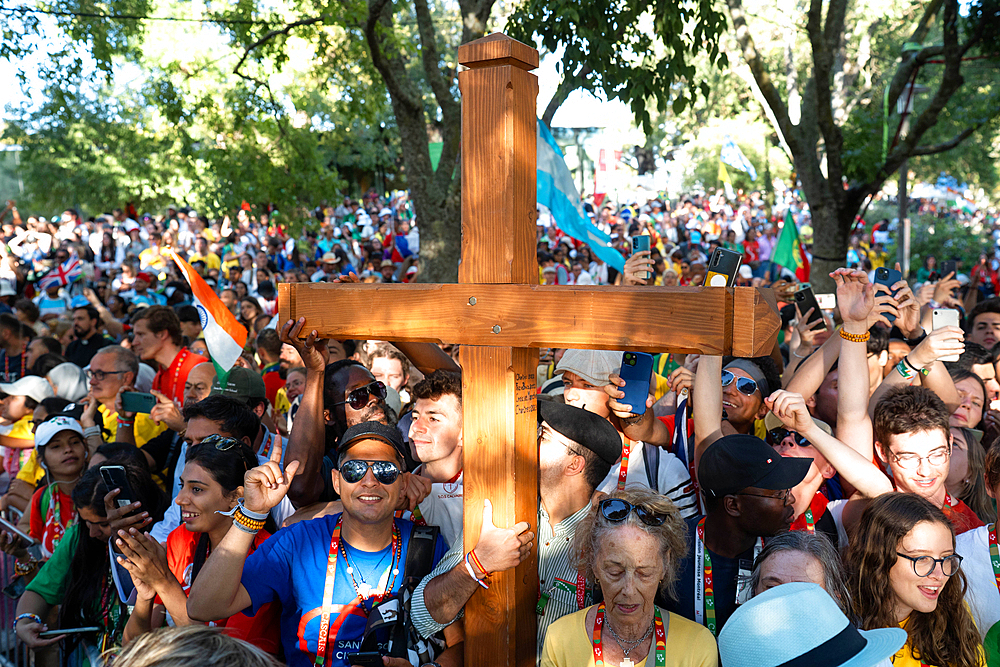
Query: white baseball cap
{"type": "Point", "coordinates": [31, 386]}
{"type": "Point", "coordinates": [50, 427]}
{"type": "Point", "coordinates": [594, 366]}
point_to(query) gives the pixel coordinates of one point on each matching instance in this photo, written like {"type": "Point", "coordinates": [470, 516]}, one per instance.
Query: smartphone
{"type": "Point", "coordinates": [137, 401]}
{"type": "Point", "coordinates": [637, 369]}
{"type": "Point", "coordinates": [722, 268]}
{"type": "Point", "coordinates": [365, 659]}
{"type": "Point", "coordinates": [49, 634]}
{"type": "Point", "coordinates": [949, 266]}
{"type": "Point", "coordinates": [114, 478]}
{"type": "Point", "coordinates": [639, 244]}
{"type": "Point", "coordinates": [945, 317]}
{"type": "Point", "coordinates": [888, 277]}
{"type": "Point", "coordinates": [827, 301]}
{"type": "Point", "coordinates": [805, 299]}
{"type": "Point", "coordinates": [26, 540]}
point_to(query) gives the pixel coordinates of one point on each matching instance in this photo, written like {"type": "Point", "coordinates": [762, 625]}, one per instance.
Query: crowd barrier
{"type": "Point", "coordinates": [13, 652]}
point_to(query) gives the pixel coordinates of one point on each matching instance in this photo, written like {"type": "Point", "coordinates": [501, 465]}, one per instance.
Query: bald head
{"type": "Point", "coordinates": [199, 383]}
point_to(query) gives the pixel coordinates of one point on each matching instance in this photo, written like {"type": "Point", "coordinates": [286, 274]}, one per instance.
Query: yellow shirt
{"type": "Point", "coordinates": [568, 643]}
{"type": "Point", "coordinates": [904, 658]}
{"type": "Point", "coordinates": [281, 403]}
{"type": "Point", "coordinates": [211, 260]}
{"type": "Point", "coordinates": [145, 428]}
{"type": "Point", "coordinates": [31, 472]}
{"type": "Point", "coordinates": [18, 435]}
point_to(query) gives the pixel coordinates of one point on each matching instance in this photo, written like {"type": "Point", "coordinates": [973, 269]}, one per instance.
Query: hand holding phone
{"type": "Point", "coordinates": [640, 243]}
{"type": "Point", "coordinates": [365, 659]}
{"type": "Point", "coordinates": [888, 277]}
{"type": "Point", "coordinates": [137, 401]}
{"type": "Point", "coordinates": [722, 268]}
{"type": "Point", "coordinates": [636, 371]}
{"type": "Point", "coordinates": [945, 317]}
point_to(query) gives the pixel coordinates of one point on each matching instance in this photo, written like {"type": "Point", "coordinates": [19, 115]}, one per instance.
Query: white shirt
{"type": "Point", "coordinates": [672, 478]}
{"type": "Point", "coordinates": [983, 597]}
{"type": "Point", "coordinates": [443, 507]}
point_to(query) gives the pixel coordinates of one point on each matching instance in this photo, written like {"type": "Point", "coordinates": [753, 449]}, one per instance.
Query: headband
{"type": "Point", "coordinates": [753, 370]}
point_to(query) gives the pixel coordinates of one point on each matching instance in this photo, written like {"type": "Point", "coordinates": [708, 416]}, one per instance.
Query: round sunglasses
{"type": "Point", "coordinates": [617, 510]}
{"type": "Point", "coordinates": [777, 435]}
{"type": "Point", "coordinates": [358, 398]}
{"type": "Point", "coordinates": [353, 471]}
{"type": "Point", "coordinates": [743, 385]}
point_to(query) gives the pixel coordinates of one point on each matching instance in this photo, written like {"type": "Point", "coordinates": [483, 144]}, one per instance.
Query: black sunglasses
{"type": "Point", "coordinates": [744, 385]}
{"type": "Point", "coordinates": [359, 397]}
{"type": "Point", "coordinates": [617, 510]}
{"type": "Point", "coordinates": [224, 443]}
{"type": "Point", "coordinates": [353, 471]}
{"type": "Point", "coordinates": [776, 435]}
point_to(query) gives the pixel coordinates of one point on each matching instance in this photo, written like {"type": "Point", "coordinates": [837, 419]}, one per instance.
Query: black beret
{"type": "Point", "coordinates": [586, 428]}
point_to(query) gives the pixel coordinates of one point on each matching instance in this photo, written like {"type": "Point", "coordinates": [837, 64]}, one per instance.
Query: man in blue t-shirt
{"type": "Point", "coordinates": [325, 601]}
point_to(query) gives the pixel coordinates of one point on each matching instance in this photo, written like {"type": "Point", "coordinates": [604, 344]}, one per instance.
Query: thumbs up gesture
{"type": "Point", "coordinates": [501, 549]}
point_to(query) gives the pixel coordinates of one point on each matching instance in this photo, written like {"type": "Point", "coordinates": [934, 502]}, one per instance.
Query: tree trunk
{"type": "Point", "coordinates": [830, 236]}
{"type": "Point", "coordinates": [441, 226]}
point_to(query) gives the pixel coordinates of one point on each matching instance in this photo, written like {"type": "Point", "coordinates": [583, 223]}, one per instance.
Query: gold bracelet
{"type": "Point", "coordinates": [855, 338]}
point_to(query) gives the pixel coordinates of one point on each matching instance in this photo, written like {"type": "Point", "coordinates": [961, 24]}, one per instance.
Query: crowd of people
{"type": "Point", "coordinates": [830, 503]}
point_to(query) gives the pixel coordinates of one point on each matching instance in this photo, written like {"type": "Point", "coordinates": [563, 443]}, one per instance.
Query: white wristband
{"type": "Point", "coordinates": [471, 573]}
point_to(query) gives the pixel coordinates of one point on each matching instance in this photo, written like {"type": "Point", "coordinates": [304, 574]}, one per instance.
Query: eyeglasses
{"type": "Point", "coordinates": [783, 496]}
{"type": "Point", "coordinates": [617, 510]}
{"type": "Point", "coordinates": [354, 471]}
{"type": "Point", "coordinates": [224, 443]}
{"type": "Point", "coordinates": [908, 461]}
{"type": "Point", "coordinates": [923, 566]}
{"type": "Point", "coordinates": [744, 385]}
{"type": "Point", "coordinates": [777, 435]}
{"type": "Point", "coordinates": [359, 397]}
{"type": "Point", "coordinates": [100, 375]}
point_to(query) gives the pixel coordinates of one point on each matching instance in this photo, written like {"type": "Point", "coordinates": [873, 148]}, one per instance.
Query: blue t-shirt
{"type": "Point", "coordinates": [291, 567]}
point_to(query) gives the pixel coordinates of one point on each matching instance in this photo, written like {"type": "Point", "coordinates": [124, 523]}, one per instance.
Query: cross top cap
{"type": "Point", "coordinates": [735, 462]}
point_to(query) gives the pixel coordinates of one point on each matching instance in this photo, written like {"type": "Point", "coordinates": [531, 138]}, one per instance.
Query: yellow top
{"type": "Point", "coordinates": [211, 260]}
{"type": "Point", "coordinates": [904, 658]}
{"type": "Point", "coordinates": [281, 403]}
{"type": "Point", "coordinates": [145, 428]}
{"type": "Point", "coordinates": [568, 643]}
{"type": "Point", "coordinates": [31, 472]}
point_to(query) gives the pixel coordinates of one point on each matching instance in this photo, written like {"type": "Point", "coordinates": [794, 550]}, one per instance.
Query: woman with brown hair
{"type": "Point", "coordinates": [904, 572]}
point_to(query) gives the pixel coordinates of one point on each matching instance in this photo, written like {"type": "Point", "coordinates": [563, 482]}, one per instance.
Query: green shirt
{"type": "Point", "coordinates": [53, 579]}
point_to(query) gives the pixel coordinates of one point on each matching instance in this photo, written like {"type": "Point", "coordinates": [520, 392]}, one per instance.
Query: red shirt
{"type": "Point", "coordinates": [751, 251]}
{"type": "Point", "coordinates": [45, 528]}
{"type": "Point", "coordinates": [272, 383]}
{"type": "Point", "coordinates": [818, 507]}
{"type": "Point", "coordinates": [170, 381]}
{"type": "Point", "coordinates": [262, 629]}
{"type": "Point", "coordinates": [961, 516]}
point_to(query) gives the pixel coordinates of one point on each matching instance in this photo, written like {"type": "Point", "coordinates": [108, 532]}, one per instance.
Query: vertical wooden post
{"type": "Point", "coordinates": [498, 246]}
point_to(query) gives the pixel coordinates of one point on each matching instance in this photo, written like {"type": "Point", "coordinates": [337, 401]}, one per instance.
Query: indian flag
{"type": "Point", "coordinates": [224, 336]}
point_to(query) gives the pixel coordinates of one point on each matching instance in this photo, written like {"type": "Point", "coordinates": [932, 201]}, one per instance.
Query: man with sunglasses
{"type": "Point", "coordinates": [358, 555]}
{"type": "Point", "coordinates": [576, 448]}
{"type": "Point", "coordinates": [748, 496]}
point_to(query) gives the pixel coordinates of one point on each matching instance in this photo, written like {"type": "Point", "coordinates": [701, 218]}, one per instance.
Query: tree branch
{"type": "Point", "coordinates": [429, 55]}
{"type": "Point", "coordinates": [823, 40]}
{"type": "Point", "coordinates": [274, 33]}
{"type": "Point", "coordinates": [398, 89]}
{"type": "Point", "coordinates": [569, 83]}
{"type": "Point", "coordinates": [913, 60]}
{"type": "Point", "coordinates": [947, 145]}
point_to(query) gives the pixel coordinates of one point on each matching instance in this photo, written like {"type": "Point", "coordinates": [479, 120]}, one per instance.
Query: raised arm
{"type": "Point", "coordinates": [856, 299]}
{"type": "Point", "coordinates": [643, 427]}
{"type": "Point", "coordinates": [427, 357]}
{"type": "Point", "coordinates": [856, 470]}
{"type": "Point", "coordinates": [939, 343]}
{"type": "Point", "coordinates": [307, 441]}
{"type": "Point", "coordinates": [217, 592]}
{"type": "Point", "coordinates": [810, 373]}
{"type": "Point", "coordinates": [707, 404]}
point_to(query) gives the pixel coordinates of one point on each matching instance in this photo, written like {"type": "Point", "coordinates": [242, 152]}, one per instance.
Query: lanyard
{"type": "Point", "coordinates": [659, 641]}
{"type": "Point", "coordinates": [704, 589]}
{"type": "Point", "coordinates": [623, 473]}
{"type": "Point", "coordinates": [580, 589]}
{"type": "Point", "coordinates": [995, 554]}
{"type": "Point", "coordinates": [331, 577]}
{"type": "Point", "coordinates": [807, 520]}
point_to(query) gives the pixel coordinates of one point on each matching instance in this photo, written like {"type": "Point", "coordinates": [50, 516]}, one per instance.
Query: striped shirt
{"type": "Point", "coordinates": [555, 546]}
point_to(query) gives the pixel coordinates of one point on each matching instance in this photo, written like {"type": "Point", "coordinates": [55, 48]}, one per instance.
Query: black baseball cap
{"type": "Point", "coordinates": [735, 462]}
{"type": "Point", "coordinates": [586, 428]}
{"type": "Point", "coordinates": [390, 435]}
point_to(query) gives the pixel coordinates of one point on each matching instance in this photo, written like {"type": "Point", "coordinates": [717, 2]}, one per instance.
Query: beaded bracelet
{"type": "Point", "coordinates": [23, 569]}
{"type": "Point", "coordinates": [35, 617]}
{"type": "Point", "coordinates": [855, 338]}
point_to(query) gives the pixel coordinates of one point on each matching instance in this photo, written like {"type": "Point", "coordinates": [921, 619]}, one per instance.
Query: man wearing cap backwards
{"type": "Point", "coordinates": [358, 555]}
{"type": "Point", "coordinates": [89, 339]}
{"type": "Point", "coordinates": [158, 338]}
{"type": "Point", "coordinates": [748, 496]}
{"type": "Point", "coordinates": [586, 375]}
{"type": "Point", "coordinates": [576, 448]}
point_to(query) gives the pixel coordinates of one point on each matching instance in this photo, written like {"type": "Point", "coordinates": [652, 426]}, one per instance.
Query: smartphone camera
{"type": "Point", "coordinates": [882, 273]}
{"type": "Point", "coordinates": [630, 359]}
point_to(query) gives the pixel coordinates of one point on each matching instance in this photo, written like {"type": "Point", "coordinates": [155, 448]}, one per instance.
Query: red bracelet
{"type": "Point", "coordinates": [478, 564]}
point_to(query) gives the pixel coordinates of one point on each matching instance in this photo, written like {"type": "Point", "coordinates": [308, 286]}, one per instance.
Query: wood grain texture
{"type": "Point", "coordinates": [501, 463]}
{"type": "Point", "coordinates": [650, 319]}
{"type": "Point", "coordinates": [497, 49]}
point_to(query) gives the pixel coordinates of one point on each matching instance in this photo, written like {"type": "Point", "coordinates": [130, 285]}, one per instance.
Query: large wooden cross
{"type": "Point", "coordinates": [501, 316]}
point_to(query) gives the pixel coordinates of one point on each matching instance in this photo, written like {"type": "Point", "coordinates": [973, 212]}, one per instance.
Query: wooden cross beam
{"type": "Point", "coordinates": [500, 316]}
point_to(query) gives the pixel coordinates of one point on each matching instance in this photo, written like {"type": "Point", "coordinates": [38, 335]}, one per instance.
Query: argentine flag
{"type": "Point", "coordinates": [557, 192]}
{"type": "Point", "coordinates": [734, 157]}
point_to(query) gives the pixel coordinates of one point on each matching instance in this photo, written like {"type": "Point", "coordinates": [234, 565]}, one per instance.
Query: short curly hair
{"type": "Point", "coordinates": [439, 383]}
{"type": "Point", "coordinates": [672, 534]}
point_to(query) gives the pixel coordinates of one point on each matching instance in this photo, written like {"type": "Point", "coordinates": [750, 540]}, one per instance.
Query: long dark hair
{"type": "Point", "coordinates": [88, 583]}
{"type": "Point", "coordinates": [946, 636]}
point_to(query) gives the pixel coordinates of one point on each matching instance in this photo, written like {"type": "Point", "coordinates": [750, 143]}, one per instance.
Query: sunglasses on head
{"type": "Point", "coordinates": [358, 398]}
{"type": "Point", "coordinates": [776, 435]}
{"type": "Point", "coordinates": [353, 471]}
{"type": "Point", "coordinates": [224, 443]}
{"type": "Point", "coordinates": [743, 385]}
{"type": "Point", "coordinates": [617, 510]}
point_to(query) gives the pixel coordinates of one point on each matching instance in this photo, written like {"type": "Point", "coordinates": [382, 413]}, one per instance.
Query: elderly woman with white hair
{"type": "Point", "coordinates": [629, 545]}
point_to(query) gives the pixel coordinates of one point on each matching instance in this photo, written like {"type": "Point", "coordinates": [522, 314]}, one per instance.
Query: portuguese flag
{"type": "Point", "coordinates": [788, 252]}
{"type": "Point", "coordinates": [224, 336]}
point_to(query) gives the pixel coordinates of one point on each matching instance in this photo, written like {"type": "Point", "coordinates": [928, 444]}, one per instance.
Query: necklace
{"type": "Point", "coordinates": [365, 589]}
{"type": "Point", "coordinates": [631, 644]}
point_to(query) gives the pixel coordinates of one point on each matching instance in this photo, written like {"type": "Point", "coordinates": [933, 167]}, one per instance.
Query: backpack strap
{"type": "Point", "coordinates": [420, 553]}
{"type": "Point", "coordinates": [651, 459]}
